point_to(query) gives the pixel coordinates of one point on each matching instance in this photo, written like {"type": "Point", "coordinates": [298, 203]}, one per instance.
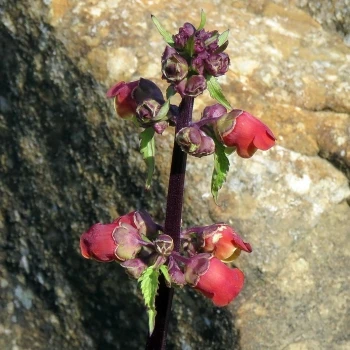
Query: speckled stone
{"type": "Point", "coordinates": [63, 167]}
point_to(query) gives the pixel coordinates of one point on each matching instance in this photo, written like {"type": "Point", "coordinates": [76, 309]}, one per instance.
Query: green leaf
{"type": "Point", "coordinates": [216, 92]}
{"type": "Point", "coordinates": [223, 37]}
{"type": "Point", "coordinates": [165, 272]}
{"type": "Point", "coordinates": [170, 92]}
{"type": "Point", "coordinates": [163, 32]}
{"type": "Point", "coordinates": [163, 111]}
{"type": "Point", "coordinates": [203, 20]}
{"type": "Point", "coordinates": [221, 167]}
{"type": "Point", "coordinates": [148, 150]}
{"type": "Point", "coordinates": [149, 288]}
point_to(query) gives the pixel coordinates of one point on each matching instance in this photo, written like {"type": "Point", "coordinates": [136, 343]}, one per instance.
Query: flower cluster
{"type": "Point", "coordinates": [193, 55]}
{"type": "Point", "coordinates": [136, 242]}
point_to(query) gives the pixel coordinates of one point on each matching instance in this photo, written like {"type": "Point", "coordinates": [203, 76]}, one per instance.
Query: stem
{"type": "Point", "coordinates": [172, 227]}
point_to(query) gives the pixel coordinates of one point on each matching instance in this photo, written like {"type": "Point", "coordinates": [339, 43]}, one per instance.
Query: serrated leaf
{"type": "Point", "coordinates": [163, 111]}
{"type": "Point", "coordinates": [215, 91]}
{"type": "Point", "coordinates": [203, 20]}
{"type": "Point", "coordinates": [148, 150]}
{"type": "Point", "coordinates": [221, 168]}
{"type": "Point", "coordinates": [163, 32]}
{"type": "Point", "coordinates": [164, 270]}
{"type": "Point", "coordinates": [149, 288]}
{"type": "Point", "coordinates": [223, 37]}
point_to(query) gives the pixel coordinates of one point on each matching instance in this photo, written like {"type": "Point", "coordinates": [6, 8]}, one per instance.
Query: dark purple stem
{"type": "Point", "coordinates": [172, 227]}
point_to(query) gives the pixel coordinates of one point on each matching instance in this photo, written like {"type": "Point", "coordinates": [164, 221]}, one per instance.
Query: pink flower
{"type": "Point", "coordinates": [223, 242]}
{"type": "Point", "coordinates": [246, 133]}
{"type": "Point", "coordinates": [124, 102]}
{"type": "Point", "coordinates": [214, 279]}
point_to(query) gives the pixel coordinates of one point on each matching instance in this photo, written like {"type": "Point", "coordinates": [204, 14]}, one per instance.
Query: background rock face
{"type": "Point", "coordinates": [66, 162]}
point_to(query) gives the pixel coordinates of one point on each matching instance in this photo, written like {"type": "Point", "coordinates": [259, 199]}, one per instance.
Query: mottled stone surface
{"type": "Point", "coordinates": [66, 162]}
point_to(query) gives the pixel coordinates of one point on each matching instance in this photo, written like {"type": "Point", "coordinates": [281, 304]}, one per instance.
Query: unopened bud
{"type": "Point", "coordinates": [164, 245]}
{"type": "Point", "coordinates": [174, 67]}
{"type": "Point", "coordinates": [195, 142]}
{"type": "Point", "coordinates": [195, 85]}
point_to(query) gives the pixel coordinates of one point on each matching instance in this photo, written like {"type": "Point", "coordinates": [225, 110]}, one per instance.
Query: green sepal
{"type": "Point", "coordinates": [164, 270]}
{"type": "Point", "coordinates": [163, 32]}
{"type": "Point", "coordinates": [149, 287]}
{"type": "Point", "coordinates": [223, 37]}
{"type": "Point", "coordinates": [170, 92]}
{"type": "Point", "coordinates": [189, 48]}
{"type": "Point", "coordinates": [163, 111]}
{"type": "Point", "coordinates": [203, 20]}
{"type": "Point", "coordinates": [215, 91]}
{"type": "Point", "coordinates": [148, 150]}
{"type": "Point", "coordinates": [221, 168]}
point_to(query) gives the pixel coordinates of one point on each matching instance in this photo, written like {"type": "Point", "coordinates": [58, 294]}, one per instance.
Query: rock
{"type": "Point", "coordinates": [63, 164]}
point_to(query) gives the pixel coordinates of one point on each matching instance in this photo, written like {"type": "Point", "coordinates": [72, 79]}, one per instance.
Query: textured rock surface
{"type": "Point", "coordinates": [63, 166]}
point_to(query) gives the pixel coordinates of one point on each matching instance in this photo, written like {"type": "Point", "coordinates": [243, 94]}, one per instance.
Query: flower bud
{"type": "Point", "coordinates": [214, 111]}
{"type": "Point", "coordinates": [214, 279]}
{"type": "Point", "coordinates": [185, 32]}
{"type": "Point", "coordinates": [174, 66]}
{"type": "Point", "coordinates": [134, 267]}
{"type": "Point", "coordinates": [195, 85]}
{"type": "Point", "coordinates": [159, 127]}
{"type": "Point", "coordinates": [195, 142]}
{"type": "Point", "coordinates": [217, 64]}
{"type": "Point", "coordinates": [164, 244]}
{"type": "Point", "coordinates": [241, 130]}
{"type": "Point", "coordinates": [147, 111]}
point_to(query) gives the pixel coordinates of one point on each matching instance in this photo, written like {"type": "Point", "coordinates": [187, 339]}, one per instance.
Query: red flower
{"type": "Point", "coordinates": [223, 242]}
{"type": "Point", "coordinates": [246, 133]}
{"type": "Point", "coordinates": [124, 102]}
{"type": "Point", "coordinates": [98, 243]}
{"type": "Point", "coordinates": [214, 279]}
{"type": "Point", "coordinates": [119, 241]}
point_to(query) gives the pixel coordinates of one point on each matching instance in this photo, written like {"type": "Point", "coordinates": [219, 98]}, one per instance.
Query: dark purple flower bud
{"type": "Point", "coordinates": [185, 32]}
{"type": "Point", "coordinates": [174, 68]}
{"type": "Point", "coordinates": [195, 142]}
{"type": "Point", "coordinates": [195, 85]}
{"type": "Point", "coordinates": [159, 127]}
{"type": "Point", "coordinates": [176, 275]}
{"type": "Point", "coordinates": [217, 64]}
{"type": "Point", "coordinates": [214, 111]}
{"type": "Point", "coordinates": [198, 62]}
{"type": "Point", "coordinates": [134, 267]}
{"type": "Point", "coordinates": [164, 245]}
{"type": "Point", "coordinates": [180, 87]}
{"type": "Point", "coordinates": [147, 111]}
{"type": "Point", "coordinates": [128, 241]}
{"type": "Point", "coordinates": [168, 52]}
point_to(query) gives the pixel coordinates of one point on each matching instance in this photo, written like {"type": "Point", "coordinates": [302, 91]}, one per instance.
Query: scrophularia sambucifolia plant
{"type": "Point", "coordinates": [161, 257]}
